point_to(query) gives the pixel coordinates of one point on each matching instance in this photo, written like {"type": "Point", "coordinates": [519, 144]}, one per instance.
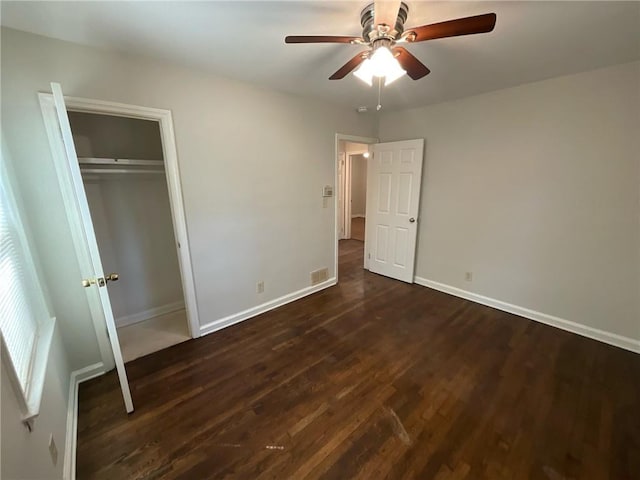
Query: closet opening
{"type": "Point", "coordinates": [123, 170]}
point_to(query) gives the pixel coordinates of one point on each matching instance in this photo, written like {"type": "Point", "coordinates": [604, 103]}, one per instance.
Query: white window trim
{"type": "Point", "coordinates": [30, 399]}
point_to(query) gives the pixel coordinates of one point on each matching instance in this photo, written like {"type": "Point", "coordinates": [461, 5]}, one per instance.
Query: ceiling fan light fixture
{"type": "Point", "coordinates": [381, 64]}
{"type": "Point", "coordinates": [365, 73]}
{"type": "Point", "coordinates": [394, 73]}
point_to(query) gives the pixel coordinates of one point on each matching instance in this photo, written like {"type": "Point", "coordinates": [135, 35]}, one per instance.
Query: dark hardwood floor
{"type": "Point", "coordinates": [370, 379]}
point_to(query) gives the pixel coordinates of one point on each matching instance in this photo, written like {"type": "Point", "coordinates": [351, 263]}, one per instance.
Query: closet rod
{"type": "Point", "coordinates": [118, 161]}
{"type": "Point", "coordinates": [121, 171]}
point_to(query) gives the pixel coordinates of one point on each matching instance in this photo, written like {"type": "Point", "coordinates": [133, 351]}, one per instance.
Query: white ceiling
{"type": "Point", "coordinates": [245, 40]}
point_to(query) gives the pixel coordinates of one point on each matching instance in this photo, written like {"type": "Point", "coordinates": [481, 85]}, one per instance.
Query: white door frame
{"type": "Point", "coordinates": [165, 120]}
{"type": "Point", "coordinates": [354, 139]}
{"type": "Point", "coordinates": [340, 199]}
{"type": "Point", "coordinates": [344, 189]}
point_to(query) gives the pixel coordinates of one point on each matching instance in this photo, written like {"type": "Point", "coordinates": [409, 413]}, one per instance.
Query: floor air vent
{"type": "Point", "coordinates": [319, 276]}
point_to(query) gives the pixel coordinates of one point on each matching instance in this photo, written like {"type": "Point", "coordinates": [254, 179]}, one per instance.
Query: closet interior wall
{"type": "Point", "coordinates": [131, 215]}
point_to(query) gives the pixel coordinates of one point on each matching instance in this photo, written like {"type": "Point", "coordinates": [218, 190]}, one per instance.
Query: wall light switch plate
{"type": "Point", "coordinates": [327, 191]}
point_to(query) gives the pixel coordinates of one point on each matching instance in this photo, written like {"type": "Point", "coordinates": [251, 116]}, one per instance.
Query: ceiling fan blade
{"type": "Point", "coordinates": [386, 12]}
{"type": "Point", "coordinates": [349, 66]}
{"type": "Point", "coordinates": [414, 67]}
{"type": "Point", "coordinates": [453, 28]}
{"type": "Point", "coordinates": [320, 39]}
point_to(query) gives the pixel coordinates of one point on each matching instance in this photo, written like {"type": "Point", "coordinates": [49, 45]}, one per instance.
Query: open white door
{"type": "Point", "coordinates": [96, 279]}
{"type": "Point", "coordinates": [393, 196]}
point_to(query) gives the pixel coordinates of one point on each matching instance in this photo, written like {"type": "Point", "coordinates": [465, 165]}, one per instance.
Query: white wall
{"type": "Point", "coordinates": [25, 455]}
{"type": "Point", "coordinates": [358, 185]}
{"type": "Point", "coordinates": [536, 190]}
{"type": "Point", "coordinates": [253, 164]}
{"type": "Point", "coordinates": [132, 219]}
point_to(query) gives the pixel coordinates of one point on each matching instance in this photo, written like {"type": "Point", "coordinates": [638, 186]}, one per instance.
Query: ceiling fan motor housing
{"type": "Point", "coordinates": [371, 31]}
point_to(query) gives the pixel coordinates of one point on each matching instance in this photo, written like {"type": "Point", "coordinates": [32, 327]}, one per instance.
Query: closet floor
{"type": "Point", "coordinates": [155, 334]}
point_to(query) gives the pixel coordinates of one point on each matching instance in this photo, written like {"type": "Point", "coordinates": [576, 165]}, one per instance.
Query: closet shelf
{"type": "Point", "coordinates": [120, 171]}
{"type": "Point", "coordinates": [119, 161]}
{"type": "Point", "coordinates": [120, 166]}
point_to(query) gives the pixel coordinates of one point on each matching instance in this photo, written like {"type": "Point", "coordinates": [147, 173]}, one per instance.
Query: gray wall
{"type": "Point", "coordinates": [535, 189]}
{"type": "Point", "coordinates": [244, 183]}
{"type": "Point", "coordinates": [115, 137]}
{"type": "Point", "coordinates": [25, 454]}
{"type": "Point", "coordinates": [132, 219]}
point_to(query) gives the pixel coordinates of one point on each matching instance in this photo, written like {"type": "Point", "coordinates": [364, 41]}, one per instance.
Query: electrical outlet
{"type": "Point", "coordinates": [260, 287]}
{"type": "Point", "coordinates": [53, 450]}
{"type": "Point", "coordinates": [468, 276]}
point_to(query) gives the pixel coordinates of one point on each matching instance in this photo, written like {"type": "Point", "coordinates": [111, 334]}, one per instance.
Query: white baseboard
{"type": "Point", "coordinates": [590, 332]}
{"type": "Point", "coordinates": [77, 377]}
{"type": "Point", "coordinates": [147, 314]}
{"type": "Point", "coordinates": [265, 307]}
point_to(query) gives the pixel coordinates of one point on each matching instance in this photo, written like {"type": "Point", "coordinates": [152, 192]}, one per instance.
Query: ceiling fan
{"type": "Point", "coordinates": [383, 31]}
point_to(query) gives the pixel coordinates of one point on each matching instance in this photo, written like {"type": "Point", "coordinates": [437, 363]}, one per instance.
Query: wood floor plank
{"type": "Point", "coordinates": [370, 379]}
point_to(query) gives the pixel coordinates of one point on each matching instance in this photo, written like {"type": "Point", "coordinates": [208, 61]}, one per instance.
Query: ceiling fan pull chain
{"type": "Point", "coordinates": [379, 106]}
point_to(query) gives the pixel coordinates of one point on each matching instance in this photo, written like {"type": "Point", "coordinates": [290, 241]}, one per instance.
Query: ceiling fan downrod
{"type": "Point", "coordinates": [372, 32]}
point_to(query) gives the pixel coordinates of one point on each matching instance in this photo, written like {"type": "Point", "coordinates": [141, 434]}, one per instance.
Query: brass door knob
{"type": "Point", "coordinates": [112, 277]}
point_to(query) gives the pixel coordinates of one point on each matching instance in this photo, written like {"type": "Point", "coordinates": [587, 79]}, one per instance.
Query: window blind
{"type": "Point", "coordinates": [20, 310]}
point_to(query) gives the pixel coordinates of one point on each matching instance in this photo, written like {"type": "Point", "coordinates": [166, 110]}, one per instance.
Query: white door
{"type": "Point", "coordinates": [393, 194]}
{"type": "Point", "coordinates": [93, 269]}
